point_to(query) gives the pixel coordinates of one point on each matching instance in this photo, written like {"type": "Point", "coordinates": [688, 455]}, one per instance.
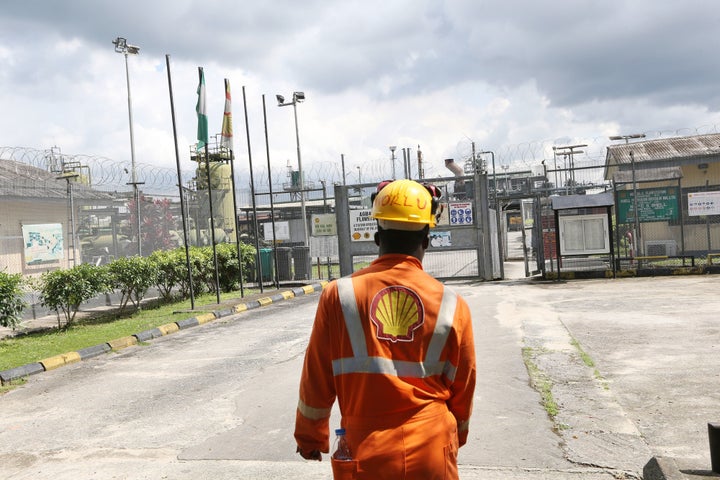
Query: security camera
{"type": "Point", "coordinates": [280, 99]}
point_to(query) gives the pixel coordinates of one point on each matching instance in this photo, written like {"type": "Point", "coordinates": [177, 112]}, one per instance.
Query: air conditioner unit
{"type": "Point", "coordinates": [660, 248]}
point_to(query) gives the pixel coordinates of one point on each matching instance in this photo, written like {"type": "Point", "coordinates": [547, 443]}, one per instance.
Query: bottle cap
{"type": "Point", "coordinates": [340, 431]}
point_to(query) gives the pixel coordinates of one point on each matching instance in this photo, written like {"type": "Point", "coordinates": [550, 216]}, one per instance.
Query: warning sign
{"type": "Point", "coordinates": [703, 203]}
{"type": "Point", "coordinates": [461, 213]}
{"type": "Point", "coordinates": [362, 226]}
{"type": "Point", "coordinates": [323, 225]}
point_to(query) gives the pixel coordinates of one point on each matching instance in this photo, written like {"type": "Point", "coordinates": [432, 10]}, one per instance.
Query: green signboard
{"type": "Point", "coordinates": [653, 205]}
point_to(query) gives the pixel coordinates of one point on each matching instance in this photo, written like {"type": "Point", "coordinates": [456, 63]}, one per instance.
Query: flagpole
{"type": "Point", "coordinates": [237, 223]}
{"type": "Point", "coordinates": [226, 139]}
{"type": "Point", "coordinates": [252, 194]}
{"type": "Point", "coordinates": [203, 113]}
{"type": "Point", "coordinates": [272, 210]}
{"type": "Point", "coordinates": [182, 196]}
{"type": "Point", "coordinates": [212, 223]}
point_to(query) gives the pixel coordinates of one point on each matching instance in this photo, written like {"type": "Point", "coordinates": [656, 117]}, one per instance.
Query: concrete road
{"type": "Point", "coordinates": [633, 365]}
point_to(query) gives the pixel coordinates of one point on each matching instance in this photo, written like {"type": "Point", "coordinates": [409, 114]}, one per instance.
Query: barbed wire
{"type": "Point", "coordinates": [106, 174]}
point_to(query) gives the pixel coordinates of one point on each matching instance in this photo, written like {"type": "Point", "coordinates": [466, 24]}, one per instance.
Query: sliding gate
{"type": "Point", "coordinates": [462, 246]}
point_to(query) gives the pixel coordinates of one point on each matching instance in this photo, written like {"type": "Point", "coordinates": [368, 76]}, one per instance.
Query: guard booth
{"type": "Point", "coordinates": [463, 245]}
{"type": "Point", "coordinates": [578, 236]}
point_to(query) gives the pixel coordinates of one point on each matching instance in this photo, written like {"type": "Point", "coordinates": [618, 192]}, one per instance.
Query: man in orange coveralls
{"type": "Point", "coordinates": [395, 346]}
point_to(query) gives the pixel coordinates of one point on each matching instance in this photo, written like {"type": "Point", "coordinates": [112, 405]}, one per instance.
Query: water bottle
{"type": "Point", "coordinates": [342, 450]}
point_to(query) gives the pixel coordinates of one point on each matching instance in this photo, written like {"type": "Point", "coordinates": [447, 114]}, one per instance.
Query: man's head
{"type": "Point", "coordinates": [405, 211]}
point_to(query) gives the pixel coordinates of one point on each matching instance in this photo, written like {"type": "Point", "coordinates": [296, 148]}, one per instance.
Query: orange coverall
{"type": "Point", "coordinates": [395, 346]}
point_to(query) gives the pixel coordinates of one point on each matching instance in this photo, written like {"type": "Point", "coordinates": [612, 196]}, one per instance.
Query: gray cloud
{"type": "Point", "coordinates": [492, 70]}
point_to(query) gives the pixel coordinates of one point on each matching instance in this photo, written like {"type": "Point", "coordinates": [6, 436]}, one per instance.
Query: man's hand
{"type": "Point", "coordinates": [311, 455]}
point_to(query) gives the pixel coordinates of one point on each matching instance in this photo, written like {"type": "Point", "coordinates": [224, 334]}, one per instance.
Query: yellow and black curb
{"type": "Point", "coordinates": [51, 363]}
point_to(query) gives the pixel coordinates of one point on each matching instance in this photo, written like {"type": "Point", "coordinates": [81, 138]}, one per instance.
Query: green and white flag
{"type": "Point", "coordinates": [201, 109]}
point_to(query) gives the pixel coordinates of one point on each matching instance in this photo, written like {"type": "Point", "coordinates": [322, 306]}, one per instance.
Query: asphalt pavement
{"type": "Point", "coordinates": [583, 379]}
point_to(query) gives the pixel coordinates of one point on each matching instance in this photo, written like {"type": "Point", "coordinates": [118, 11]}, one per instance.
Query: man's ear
{"type": "Point", "coordinates": [426, 242]}
{"type": "Point", "coordinates": [377, 238]}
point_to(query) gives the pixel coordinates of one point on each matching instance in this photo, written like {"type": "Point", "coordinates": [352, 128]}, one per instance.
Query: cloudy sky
{"type": "Point", "coordinates": [514, 77]}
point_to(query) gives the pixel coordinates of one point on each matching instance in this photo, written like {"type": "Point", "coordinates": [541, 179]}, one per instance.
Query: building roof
{"type": "Point", "coordinates": [24, 181]}
{"type": "Point", "coordinates": [666, 152]}
{"type": "Point", "coordinates": [665, 149]}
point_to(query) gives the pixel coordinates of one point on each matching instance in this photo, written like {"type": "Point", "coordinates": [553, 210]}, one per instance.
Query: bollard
{"type": "Point", "coordinates": [714, 437]}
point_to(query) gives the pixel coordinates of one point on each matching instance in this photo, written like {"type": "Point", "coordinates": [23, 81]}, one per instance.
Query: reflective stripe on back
{"type": "Point", "coordinates": [360, 362]}
{"type": "Point", "coordinates": [352, 317]}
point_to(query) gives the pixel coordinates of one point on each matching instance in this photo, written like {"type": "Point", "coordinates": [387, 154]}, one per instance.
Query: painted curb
{"type": "Point", "coordinates": [146, 335]}
{"type": "Point", "coordinates": [51, 363]}
{"type": "Point", "coordinates": [94, 351]}
{"type": "Point", "coordinates": [60, 360]}
{"type": "Point", "coordinates": [7, 376]}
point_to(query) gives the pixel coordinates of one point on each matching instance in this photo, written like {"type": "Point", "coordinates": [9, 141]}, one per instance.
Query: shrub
{"type": "Point", "coordinates": [133, 276]}
{"type": "Point", "coordinates": [65, 289]}
{"type": "Point", "coordinates": [11, 299]}
{"type": "Point", "coordinates": [172, 269]}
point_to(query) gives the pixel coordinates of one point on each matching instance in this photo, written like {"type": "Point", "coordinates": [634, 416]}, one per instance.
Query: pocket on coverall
{"type": "Point", "coordinates": [344, 469]}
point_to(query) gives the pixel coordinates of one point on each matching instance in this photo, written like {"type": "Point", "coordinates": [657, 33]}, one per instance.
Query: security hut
{"type": "Point", "coordinates": [583, 232]}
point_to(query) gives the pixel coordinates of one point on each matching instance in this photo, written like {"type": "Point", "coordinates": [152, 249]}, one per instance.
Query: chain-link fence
{"type": "Point", "coordinates": [665, 207]}
{"type": "Point", "coordinates": [59, 210]}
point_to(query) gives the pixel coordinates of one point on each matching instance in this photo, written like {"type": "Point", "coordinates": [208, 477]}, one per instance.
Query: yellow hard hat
{"type": "Point", "coordinates": [404, 205]}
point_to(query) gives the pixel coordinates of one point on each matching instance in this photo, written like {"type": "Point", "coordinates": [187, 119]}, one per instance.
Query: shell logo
{"type": "Point", "coordinates": [397, 312]}
{"type": "Point", "coordinates": [356, 235]}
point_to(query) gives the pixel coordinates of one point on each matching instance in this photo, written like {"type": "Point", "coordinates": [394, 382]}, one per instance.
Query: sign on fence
{"type": "Point", "coordinates": [653, 205]}
{"type": "Point", "coordinates": [703, 203]}
{"type": "Point", "coordinates": [323, 224]}
{"type": "Point", "coordinates": [362, 226]}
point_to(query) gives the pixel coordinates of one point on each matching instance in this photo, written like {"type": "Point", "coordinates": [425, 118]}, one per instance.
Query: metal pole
{"type": "Point", "coordinates": [212, 223]}
{"type": "Point", "coordinates": [498, 210]}
{"type": "Point", "coordinates": [133, 171]}
{"type": "Point", "coordinates": [342, 163]}
{"type": "Point", "coordinates": [635, 208]}
{"type": "Point", "coordinates": [707, 224]}
{"type": "Point", "coordinates": [227, 142]}
{"type": "Point", "coordinates": [302, 177]}
{"type": "Point", "coordinates": [252, 195]}
{"type": "Point", "coordinates": [272, 208]}
{"type": "Point", "coordinates": [236, 223]}
{"type": "Point", "coordinates": [392, 159]}
{"type": "Point", "coordinates": [182, 196]}
{"type": "Point", "coordinates": [72, 221]}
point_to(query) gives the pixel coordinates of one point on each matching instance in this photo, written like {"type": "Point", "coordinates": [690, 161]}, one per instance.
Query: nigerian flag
{"type": "Point", "coordinates": [201, 109]}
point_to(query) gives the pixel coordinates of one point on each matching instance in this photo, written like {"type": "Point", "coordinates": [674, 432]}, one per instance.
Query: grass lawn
{"type": "Point", "coordinates": [90, 331]}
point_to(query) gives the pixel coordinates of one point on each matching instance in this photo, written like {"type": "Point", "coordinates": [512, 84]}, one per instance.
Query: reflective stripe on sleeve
{"type": "Point", "coordinates": [464, 426]}
{"type": "Point", "coordinates": [442, 326]}
{"type": "Point", "coordinates": [311, 412]}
